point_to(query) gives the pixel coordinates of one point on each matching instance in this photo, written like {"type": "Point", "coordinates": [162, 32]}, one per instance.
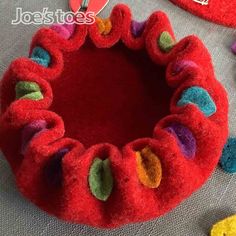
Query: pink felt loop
{"type": "Point", "coordinates": [30, 131]}
{"type": "Point", "coordinates": [64, 30]}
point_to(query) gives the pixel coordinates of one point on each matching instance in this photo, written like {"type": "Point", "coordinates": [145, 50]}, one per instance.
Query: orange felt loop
{"type": "Point", "coordinates": [104, 25]}
{"type": "Point", "coordinates": [149, 168]}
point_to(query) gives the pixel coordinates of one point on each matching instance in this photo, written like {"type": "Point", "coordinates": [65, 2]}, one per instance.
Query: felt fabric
{"type": "Point", "coordinates": [183, 65]}
{"type": "Point", "coordinates": [113, 88]}
{"type": "Point", "coordinates": [40, 56]}
{"type": "Point", "coordinates": [225, 227]}
{"type": "Point", "coordinates": [64, 30]}
{"type": "Point", "coordinates": [53, 170]}
{"type": "Point", "coordinates": [199, 97]}
{"type": "Point", "coordinates": [185, 139]}
{"type": "Point", "coordinates": [104, 25]}
{"type": "Point", "coordinates": [233, 47]}
{"type": "Point", "coordinates": [100, 179]}
{"type": "Point", "coordinates": [166, 43]}
{"type": "Point", "coordinates": [148, 168]}
{"type": "Point", "coordinates": [137, 28]}
{"type": "Point", "coordinates": [28, 90]}
{"type": "Point", "coordinates": [219, 11]}
{"type": "Point", "coordinates": [30, 131]}
{"type": "Point", "coordinates": [228, 158]}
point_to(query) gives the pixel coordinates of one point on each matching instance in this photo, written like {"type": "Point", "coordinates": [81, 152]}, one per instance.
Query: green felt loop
{"type": "Point", "coordinates": [100, 179]}
{"type": "Point", "coordinates": [166, 42]}
{"type": "Point", "coordinates": [28, 90]}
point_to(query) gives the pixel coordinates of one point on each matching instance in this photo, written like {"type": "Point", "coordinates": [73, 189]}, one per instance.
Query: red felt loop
{"type": "Point", "coordinates": [20, 71]}
{"type": "Point", "coordinates": [48, 36]}
{"type": "Point", "coordinates": [206, 133]}
{"type": "Point", "coordinates": [106, 41]}
{"type": "Point", "coordinates": [217, 93]}
{"type": "Point", "coordinates": [127, 37]}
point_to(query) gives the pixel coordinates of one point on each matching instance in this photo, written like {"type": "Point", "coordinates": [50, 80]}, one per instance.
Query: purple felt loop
{"type": "Point", "coordinates": [185, 138]}
{"type": "Point", "coordinates": [64, 30]}
{"type": "Point", "coordinates": [30, 131]}
{"type": "Point", "coordinates": [183, 64]}
{"type": "Point", "coordinates": [53, 170]}
{"type": "Point", "coordinates": [233, 47]}
{"type": "Point", "coordinates": [137, 28]}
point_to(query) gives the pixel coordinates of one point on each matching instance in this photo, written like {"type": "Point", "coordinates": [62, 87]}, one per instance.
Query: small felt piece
{"type": "Point", "coordinates": [185, 139]}
{"type": "Point", "coordinates": [100, 179]}
{"type": "Point", "coordinates": [137, 28]}
{"type": "Point", "coordinates": [41, 56]}
{"type": "Point", "coordinates": [228, 158]}
{"type": "Point", "coordinates": [233, 47]}
{"type": "Point", "coordinates": [28, 90]}
{"type": "Point", "coordinates": [166, 42]}
{"type": "Point", "coordinates": [104, 25]}
{"type": "Point", "coordinates": [64, 30]}
{"type": "Point", "coordinates": [199, 97]}
{"type": "Point", "coordinates": [149, 168]}
{"type": "Point", "coordinates": [226, 227]}
{"type": "Point", "coordinates": [30, 131]}
{"type": "Point", "coordinates": [183, 64]}
{"type": "Point", "coordinates": [53, 170]}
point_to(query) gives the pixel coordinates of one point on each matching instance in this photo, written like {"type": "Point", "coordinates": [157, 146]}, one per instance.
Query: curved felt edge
{"type": "Point", "coordinates": [226, 226]}
{"type": "Point", "coordinates": [220, 12]}
{"type": "Point", "coordinates": [130, 201]}
{"type": "Point", "coordinates": [228, 158]}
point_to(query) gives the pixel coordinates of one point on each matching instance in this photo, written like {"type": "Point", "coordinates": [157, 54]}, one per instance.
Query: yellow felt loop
{"type": "Point", "coordinates": [104, 25]}
{"type": "Point", "coordinates": [225, 227]}
{"type": "Point", "coordinates": [148, 168]}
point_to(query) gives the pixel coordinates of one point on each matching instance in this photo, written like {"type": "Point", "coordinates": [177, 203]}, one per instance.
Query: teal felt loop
{"type": "Point", "coordinates": [228, 158]}
{"type": "Point", "coordinates": [41, 56]}
{"type": "Point", "coordinates": [199, 97]}
{"type": "Point", "coordinates": [28, 90]}
{"type": "Point", "coordinates": [100, 179]}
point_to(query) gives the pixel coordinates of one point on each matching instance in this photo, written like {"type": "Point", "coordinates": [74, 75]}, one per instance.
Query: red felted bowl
{"type": "Point", "coordinates": [86, 96]}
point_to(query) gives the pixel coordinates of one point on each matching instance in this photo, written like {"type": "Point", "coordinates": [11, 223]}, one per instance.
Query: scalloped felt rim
{"type": "Point", "coordinates": [130, 201]}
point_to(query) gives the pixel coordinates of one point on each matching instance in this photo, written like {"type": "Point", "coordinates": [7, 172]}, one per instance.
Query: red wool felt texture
{"type": "Point", "coordinates": [107, 97]}
{"type": "Point", "coordinates": [219, 11]}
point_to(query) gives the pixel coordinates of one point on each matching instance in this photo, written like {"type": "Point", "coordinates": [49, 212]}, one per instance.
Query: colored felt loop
{"type": "Point", "coordinates": [166, 42]}
{"type": "Point", "coordinates": [64, 30]}
{"type": "Point", "coordinates": [137, 28]}
{"type": "Point", "coordinates": [30, 131]}
{"type": "Point", "coordinates": [228, 158]}
{"type": "Point", "coordinates": [41, 56]}
{"type": "Point", "coordinates": [182, 65]}
{"type": "Point", "coordinates": [233, 47]}
{"type": "Point", "coordinates": [28, 90]}
{"type": "Point", "coordinates": [199, 97]}
{"type": "Point", "coordinates": [185, 139]}
{"type": "Point", "coordinates": [104, 25]}
{"type": "Point", "coordinates": [100, 179]}
{"type": "Point", "coordinates": [149, 168]}
{"type": "Point", "coordinates": [225, 227]}
{"type": "Point", "coordinates": [53, 170]}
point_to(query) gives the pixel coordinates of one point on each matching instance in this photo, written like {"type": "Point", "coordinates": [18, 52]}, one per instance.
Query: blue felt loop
{"type": "Point", "coordinates": [199, 97]}
{"type": "Point", "coordinates": [228, 158]}
{"type": "Point", "coordinates": [41, 56]}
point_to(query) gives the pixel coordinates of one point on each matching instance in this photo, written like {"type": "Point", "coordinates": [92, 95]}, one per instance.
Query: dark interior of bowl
{"type": "Point", "coordinates": [110, 95]}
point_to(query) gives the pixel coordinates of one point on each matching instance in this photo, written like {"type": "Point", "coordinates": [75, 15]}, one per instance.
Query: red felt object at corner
{"type": "Point", "coordinates": [219, 11]}
{"type": "Point", "coordinates": [108, 96]}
